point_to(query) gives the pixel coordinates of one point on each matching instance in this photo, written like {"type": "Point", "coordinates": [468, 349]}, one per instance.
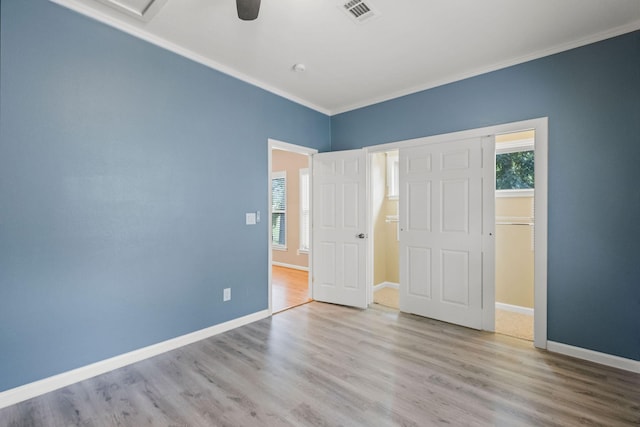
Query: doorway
{"type": "Point", "coordinates": [384, 196]}
{"type": "Point", "coordinates": [289, 228]}
{"type": "Point", "coordinates": [538, 233]}
{"type": "Point", "coordinates": [514, 239]}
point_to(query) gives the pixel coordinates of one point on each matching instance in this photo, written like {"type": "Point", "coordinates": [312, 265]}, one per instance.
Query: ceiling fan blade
{"type": "Point", "coordinates": [248, 9]}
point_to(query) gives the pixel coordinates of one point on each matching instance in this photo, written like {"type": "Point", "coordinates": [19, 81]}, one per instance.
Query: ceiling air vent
{"type": "Point", "coordinates": [359, 11]}
{"type": "Point", "coordinates": [141, 9]}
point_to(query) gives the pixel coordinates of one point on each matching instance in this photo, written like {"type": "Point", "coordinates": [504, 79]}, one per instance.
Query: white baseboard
{"type": "Point", "coordinates": [295, 267]}
{"type": "Point", "coordinates": [46, 385]}
{"type": "Point", "coordinates": [385, 285]}
{"type": "Point", "coordinates": [594, 356]}
{"type": "Point", "coordinates": [515, 308]}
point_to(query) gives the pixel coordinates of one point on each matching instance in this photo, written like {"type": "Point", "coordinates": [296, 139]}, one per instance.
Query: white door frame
{"type": "Point", "coordinates": [274, 144]}
{"type": "Point", "coordinates": [540, 126]}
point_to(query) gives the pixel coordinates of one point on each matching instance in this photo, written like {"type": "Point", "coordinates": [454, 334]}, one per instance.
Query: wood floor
{"type": "Point", "coordinates": [514, 324]}
{"type": "Point", "coordinates": [289, 288]}
{"type": "Point", "coordinates": [507, 322]}
{"type": "Point", "coordinates": [326, 365]}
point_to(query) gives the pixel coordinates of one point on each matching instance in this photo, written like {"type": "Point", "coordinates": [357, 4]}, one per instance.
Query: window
{"type": "Point", "coordinates": [279, 210]}
{"type": "Point", "coordinates": [393, 175]}
{"type": "Point", "coordinates": [515, 168]}
{"type": "Point", "coordinates": [514, 171]}
{"type": "Point", "coordinates": [304, 211]}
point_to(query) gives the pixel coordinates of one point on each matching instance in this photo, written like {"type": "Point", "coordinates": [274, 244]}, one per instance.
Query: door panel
{"type": "Point", "coordinates": [419, 269]}
{"type": "Point", "coordinates": [419, 214]}
{"type": "Point", "coordinates": [441, 231]}
{"type": "Point", "coordinates": [455, 277]}
{"type": "Point", "coordinates": [339, 254]}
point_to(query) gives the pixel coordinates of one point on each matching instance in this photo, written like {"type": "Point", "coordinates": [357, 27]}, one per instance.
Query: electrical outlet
{"type": "Point", "coordinates": [226, 294]}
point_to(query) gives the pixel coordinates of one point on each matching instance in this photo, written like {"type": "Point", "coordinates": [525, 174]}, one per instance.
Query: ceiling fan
{"type": "Point", "coordinates": [248, 9]}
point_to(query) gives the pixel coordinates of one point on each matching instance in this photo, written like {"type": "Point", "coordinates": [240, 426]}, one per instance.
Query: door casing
{"type": "Point", "coordinates": [540, 126]}
{"type": "Point", "coordinates": [274, 144]}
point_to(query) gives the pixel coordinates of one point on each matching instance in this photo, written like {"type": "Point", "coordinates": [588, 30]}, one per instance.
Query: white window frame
{"type": "Point", "coordinates": [393, 175]}
{"type": "Point", "coordinates": [515, 147]}
{"type": "Point", "coordinates": [304, 177]}
{"type": "Point", "coordinates": [280, 175]}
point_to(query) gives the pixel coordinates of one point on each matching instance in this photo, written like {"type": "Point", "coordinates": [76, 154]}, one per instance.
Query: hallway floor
{"type": "Point", "coordinates": [290, 288]}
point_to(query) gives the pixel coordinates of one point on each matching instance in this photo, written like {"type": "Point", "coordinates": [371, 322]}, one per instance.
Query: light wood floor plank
{"type": "Point", "coordinates": [326, 365]}
{"type": "Point", "coordinates": [289, 288]}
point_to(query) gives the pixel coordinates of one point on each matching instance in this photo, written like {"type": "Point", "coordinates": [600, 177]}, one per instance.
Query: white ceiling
{"type": "Point", "coordinates": [412, 44]}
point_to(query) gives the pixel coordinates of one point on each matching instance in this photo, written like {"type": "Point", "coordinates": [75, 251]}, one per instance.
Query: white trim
{"type": "Point", "coordinates": [143, 15]}
{"type": "Point", "coordinates": [37, 388]}
{"type": "Point", "coordinates": [383, 285]}
{"type": "Point", "coordinates": [172, 47]}
{"type": "Point", "coordinates": [514, 308]}
{"type": "Point", "coordinates": [302, 174]}
{"type": "Point", "coordinates": [369, 274]}
{"type": "Point", "coordinates": [276, 247]}
{"type": "Point", "coordinates": [527, 144]}
{"type": "Point", "coordinates": [531, 124]}
{"type": "Point", "coordinates": [274, 144]}
{"type": "Point", "coordinates": [488, 260]}
{"type": "Point", "coordinates": [595, 356]}
{"type": "Point", "coordinates": [518, 192]}
{"type": "Point", "coordinates": [292, 266]}
{"type": "Point", "coordinates": [540, 233]}
{"type": "Point", "coordinates": [393, 175]}
{"type": "Point", "coordinates": [141, 33]}
{"type": "Point", "coordinates": [614, 32]}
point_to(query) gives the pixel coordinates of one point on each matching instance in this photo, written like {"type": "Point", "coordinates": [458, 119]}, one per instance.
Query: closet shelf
{"type": "Point", "coordinates": [514, 220]}
{"type": "Point", "coordinates": [392, 218]}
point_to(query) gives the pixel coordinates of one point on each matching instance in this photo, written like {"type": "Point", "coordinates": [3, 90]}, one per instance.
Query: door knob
{"type": "Point", "coordinates": [360, 236]}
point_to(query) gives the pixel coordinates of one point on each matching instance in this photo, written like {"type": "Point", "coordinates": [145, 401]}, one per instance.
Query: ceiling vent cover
{"type": "Point", "coordinates": [359, 11]}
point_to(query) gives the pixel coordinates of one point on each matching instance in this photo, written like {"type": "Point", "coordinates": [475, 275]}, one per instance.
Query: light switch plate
{"type": "Point", "coordinates": [251, 218]}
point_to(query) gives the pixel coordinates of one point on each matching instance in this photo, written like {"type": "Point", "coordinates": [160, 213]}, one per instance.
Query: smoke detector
{"type": "Point", "coordinates": [359, 10]}
{"type": "Point", "coordinates": [299, 68]}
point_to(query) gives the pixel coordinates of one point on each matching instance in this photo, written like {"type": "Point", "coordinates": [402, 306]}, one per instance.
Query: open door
{"type": "Point", "coordinates": [339, 227]}
{"type": "Point", "coordinates": [441, 231]}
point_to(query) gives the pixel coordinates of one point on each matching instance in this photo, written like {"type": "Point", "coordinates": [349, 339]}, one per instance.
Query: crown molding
{"type": "Point", "coordinates": [614, 32]}
{"type": "Point", "coordinates": [143, 34]}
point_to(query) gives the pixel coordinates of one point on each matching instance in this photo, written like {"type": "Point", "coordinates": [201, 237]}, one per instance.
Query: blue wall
{"type": "Point", "coordinates": [125, 174]}
{"type": "Point", "coordinates": [126, 170]}
{"type": "Point", "coordinates": [592, 98]}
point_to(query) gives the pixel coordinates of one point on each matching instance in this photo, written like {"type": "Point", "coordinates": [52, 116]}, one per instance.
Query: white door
{"type": "Point", "coordinates": [339, 227]}
{"type": "Point", "coordinates": [441, 236]}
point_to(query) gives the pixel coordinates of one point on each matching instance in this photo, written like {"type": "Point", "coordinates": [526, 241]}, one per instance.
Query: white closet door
{"type": "Point", "coordinates": [441, 201]}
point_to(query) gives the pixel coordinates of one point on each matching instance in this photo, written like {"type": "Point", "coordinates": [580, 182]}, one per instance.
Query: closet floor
{"type": "Point", "coordinates": [514, 324]}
